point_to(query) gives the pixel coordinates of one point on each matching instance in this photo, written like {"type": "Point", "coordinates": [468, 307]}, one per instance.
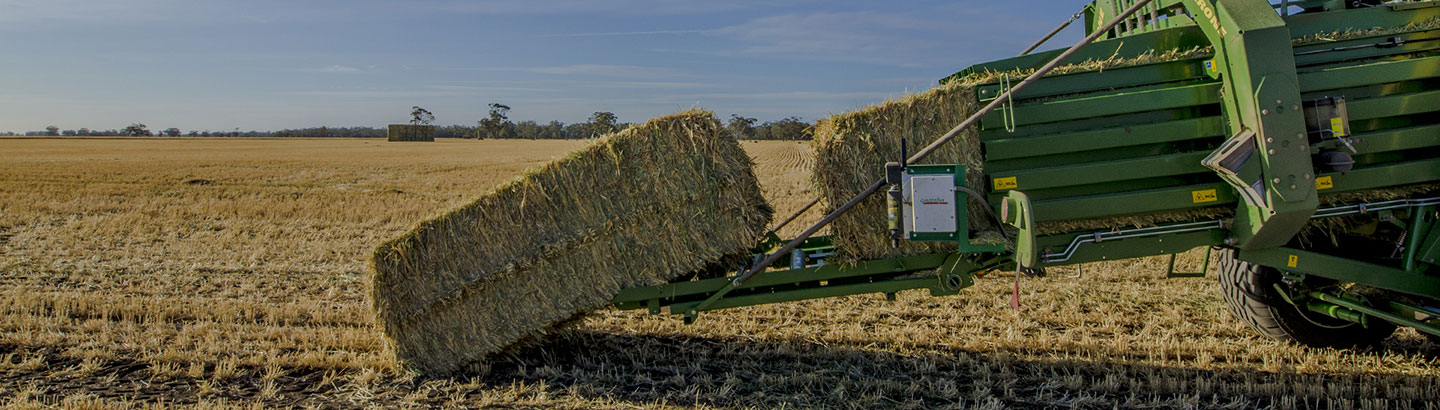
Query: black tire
{"type": "Point", "coordinates": [1249, 291]}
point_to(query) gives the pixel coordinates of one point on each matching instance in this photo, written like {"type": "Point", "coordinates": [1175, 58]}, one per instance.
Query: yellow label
{"type": "Point", "coordinates": [1294, 260]}
{"type": "Point", "coordinates": [1324, 183]}
{"type": "Point", "coordinates": [1207, 195]}
{"type": "Point", "coordinates": [1006, 183]}
{"type": "Point", "coordinates": [1337, 127]}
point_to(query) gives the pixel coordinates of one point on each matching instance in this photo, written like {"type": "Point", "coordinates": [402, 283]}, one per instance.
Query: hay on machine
{"type": "Point", "coordinates": [638, 207]}
{"type": "Point", "coordinates": [410, 132]}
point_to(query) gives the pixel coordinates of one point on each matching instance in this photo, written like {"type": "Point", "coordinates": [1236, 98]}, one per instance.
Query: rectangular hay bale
{"type": "Point", "coordinates": [410, 132]}
{"type": "Point", "coordinates": [638, 207]}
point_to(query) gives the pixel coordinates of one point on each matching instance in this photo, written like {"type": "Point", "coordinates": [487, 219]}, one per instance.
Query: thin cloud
{"type": "Point", "coordinates": [334, 69]}
{"type": "Point", "coordinates": [603, 70]}
{"type": "Point", "coordinates": [629, 33]}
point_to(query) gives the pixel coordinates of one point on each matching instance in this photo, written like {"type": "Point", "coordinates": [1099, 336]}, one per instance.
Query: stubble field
{"type": "Point", "coordinates": [217, 273]}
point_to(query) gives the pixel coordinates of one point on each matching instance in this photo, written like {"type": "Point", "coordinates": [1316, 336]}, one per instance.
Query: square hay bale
{"type": "Point", "coordinates": [408, 132]}
{"type": "Point", "coordinates": [638, 207]}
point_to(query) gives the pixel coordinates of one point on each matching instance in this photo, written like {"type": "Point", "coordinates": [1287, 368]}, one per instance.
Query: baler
{"type": "Point", "coordinates": [1315, 166]}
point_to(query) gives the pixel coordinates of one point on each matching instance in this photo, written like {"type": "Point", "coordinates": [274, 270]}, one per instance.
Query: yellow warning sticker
{"type": "Point", "coordinates": [1324, 183]}
{"type": "Point", "coordinates": [1294, 260]}
{"type": "Point", "coordinates": [1204, 195]}
{"type": "Point", "coordinates": [1006, 183]}
{"type": "Point", "coordinates": [1337, 127]}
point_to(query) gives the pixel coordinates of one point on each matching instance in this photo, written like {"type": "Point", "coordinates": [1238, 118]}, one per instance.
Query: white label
{"type": "Point", "coordinates": [932, 200]}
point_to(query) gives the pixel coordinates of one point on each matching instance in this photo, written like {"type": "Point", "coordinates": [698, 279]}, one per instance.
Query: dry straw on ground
{"type": "Point", "coordinates": [641, 206]}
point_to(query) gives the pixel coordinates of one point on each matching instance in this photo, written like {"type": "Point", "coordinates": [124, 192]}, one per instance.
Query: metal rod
{"type": "Point", "coordinates": [1052, 33]}
{"type": "Point", "coordinates": [935, 145]}
{"type": "Point", "coordinates": [1028, 80]}
{"type": "Point", "coordinates": [795, 215]}
{"type": "Point", "coordinates": [1393, 318]}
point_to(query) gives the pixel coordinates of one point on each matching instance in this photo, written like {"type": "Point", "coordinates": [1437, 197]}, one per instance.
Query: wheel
{"type": "Point", "coordinates": [1250, 292]}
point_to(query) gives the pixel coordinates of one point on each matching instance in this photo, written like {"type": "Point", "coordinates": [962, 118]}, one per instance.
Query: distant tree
{"type": "Point", "coordinates": [741, 127]}
{"type": "Point", "coordinates": [789, 128]}
{"type": "Point", "coordinates": [52, 131]}
{"type": "Point", "coordinates": [68, 133]}
{"type": "Point", "coordinates": [495, 126]}
{"type": "Point", "coordinates": [602, 122]}
{"type": "Point", "coordinates": [172, 132]}
{"type": "Point", "coordinates": [135, 130]}
{"type": "Point", "coordinates": [420, 116]}
{"type": "Point", "coordinates": [554, 130]}
{"type": "Point", "coordinates": [528, 130]}
{"type": "Point", "coordinates": [194, 133]}
{"type": "Point", "coordinates": [83, 132]}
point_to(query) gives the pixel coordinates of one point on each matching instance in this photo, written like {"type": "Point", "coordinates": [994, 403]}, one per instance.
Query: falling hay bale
{"type": "Point", "coordinates": [638, 207]}
{"type": "Point", "coordinates": [408, 132]}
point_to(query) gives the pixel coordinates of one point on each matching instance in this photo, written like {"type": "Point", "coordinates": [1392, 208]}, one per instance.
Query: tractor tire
{"type": "Point", "coordinates": [1250, 292]}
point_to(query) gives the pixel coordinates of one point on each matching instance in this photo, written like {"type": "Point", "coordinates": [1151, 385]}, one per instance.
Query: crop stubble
{"type": "Point", "coordinates": [216, 273]}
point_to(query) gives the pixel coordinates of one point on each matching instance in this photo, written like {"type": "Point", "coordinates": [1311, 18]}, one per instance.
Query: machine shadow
{"type": "Point", "coordinates": [705, 371]}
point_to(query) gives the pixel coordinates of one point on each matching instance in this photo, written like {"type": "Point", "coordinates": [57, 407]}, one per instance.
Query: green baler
{"type": "Point", "coordinates": [1305, 148]}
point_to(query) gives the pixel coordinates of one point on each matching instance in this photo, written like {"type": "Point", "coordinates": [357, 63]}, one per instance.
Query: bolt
{"type": "Point", "coordinates": [1300, 136]}
{"type": "Point", "coordinates": [1307, 175]}
{"type": "Point", "coordinates": [1276, 180]}
{"type": "Point", "coordinates": [1272, 152]}
{"type": "Point", "coordinates": [1295, 107]}
{"type": "Point", "coordinates": [1292, 186]}
{"type": "Point", "coordinates": [1264, 112]}
{"type": "Point", "coordinates": [1270, 139]}
{"type": "Point", "coordinates": [1304, 148]}
{"type": "Point", "coordinates": [1277, 102]}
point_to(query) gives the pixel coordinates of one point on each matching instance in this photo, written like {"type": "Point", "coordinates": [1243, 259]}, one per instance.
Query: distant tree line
{"type": "Point", "coordinates": [496, 124]}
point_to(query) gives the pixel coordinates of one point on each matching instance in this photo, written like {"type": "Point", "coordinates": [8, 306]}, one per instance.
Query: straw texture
{"type": "Point", "coordinates": [639, 207]}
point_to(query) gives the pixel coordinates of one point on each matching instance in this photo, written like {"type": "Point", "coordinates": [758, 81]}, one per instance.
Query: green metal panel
{"type": "Point", "coordinates": [1416, 103]}
{"type": "Point", "coordinates": [1408, 138]}
{"type": "Point", "coordinates": [1113, 171]}
{"type": "Point", "coordinates": [1404, 173]}
{"type": "Point", "coordinates": [1129, 248]}
{"type": "Point", "coordinates": [1112, 104]}
{"type": "Point", "coordinates": [1137, 202]}
{"type": "Point", "coordinates": [1130, 135]}
{"type": "Point", "coordinates": [1366, 74]}
{"type": "Point", "coordinates": [1356, 19]}
{"type": "Point", "coordinates": [1340, 268]}
{"type": "Point", "coordinates": [1101, 80]}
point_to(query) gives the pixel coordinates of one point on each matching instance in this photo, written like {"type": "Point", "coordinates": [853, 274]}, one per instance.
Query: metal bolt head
{"type": "Point", "coordinates": [1300, 136]}
{"type": "Point", "coordinates": [1265, 112]}
{"type": "Point", "coordinates": [1307, 176]}
{"type": "Point", "coordinates": [1304, 148]}
{"type": "Point", "coordinates": [1278, 102]}
{"type": "Point", "coordinates": [1269, 139]}
{"type": "Point", "coordinates": [1272, 152]}
{"type": "Point", "coordinates": [1276, 180]}
{"type": "Point", "coordinates": [1295, 107]}
{"type": "Point", "coordinates": [1292, 186]}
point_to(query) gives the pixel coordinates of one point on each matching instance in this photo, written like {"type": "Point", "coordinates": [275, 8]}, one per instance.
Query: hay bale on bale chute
{"type": "Point", "coordinates": [410, 132]}
{"type": "Point", "coordinates": [638, 207]}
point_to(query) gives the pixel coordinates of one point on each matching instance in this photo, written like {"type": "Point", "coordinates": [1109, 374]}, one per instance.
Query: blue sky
{"type": "Point", "coordinates": [264, 65]}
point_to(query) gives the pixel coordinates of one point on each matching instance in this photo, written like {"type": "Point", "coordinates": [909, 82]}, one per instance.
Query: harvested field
{"type": "Point", "coordinates": [217, 273]}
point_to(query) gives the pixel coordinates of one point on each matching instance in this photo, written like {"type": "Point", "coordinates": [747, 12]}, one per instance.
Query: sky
{"type": "Point", "coordinates": [269, 65]}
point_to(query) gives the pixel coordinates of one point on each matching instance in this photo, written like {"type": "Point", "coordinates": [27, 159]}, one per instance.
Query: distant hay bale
{"type": "Point", "coordinates": [409, 132]}
{"type": "Point", "coordinates": [638, 207]}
